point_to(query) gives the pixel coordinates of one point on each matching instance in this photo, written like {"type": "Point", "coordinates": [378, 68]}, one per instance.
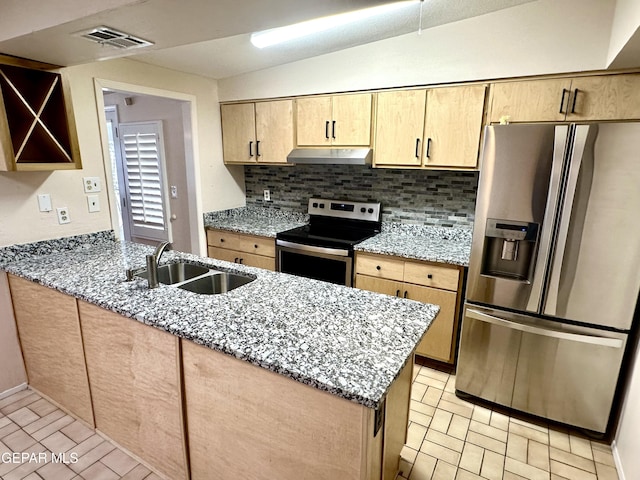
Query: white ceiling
{"type": "Point", "coordinates": [210, 38]}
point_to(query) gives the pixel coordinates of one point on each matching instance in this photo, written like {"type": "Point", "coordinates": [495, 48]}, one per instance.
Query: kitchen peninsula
{"type": "Point", "coordinates": [284, 377]}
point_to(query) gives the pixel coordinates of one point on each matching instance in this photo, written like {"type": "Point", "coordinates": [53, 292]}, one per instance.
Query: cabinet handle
{"type": "Point", "coordinates": [428, 154]}
{"type": "Point", "coordinates": [397, 293]}
{"type": "Point", "coordinates": [575, 97]}
{"type": "Point", "coordinates": [405, 294]}
{"type": "Point", "coordinates": [326, 129]}
{"type": "Point", "coordinates": [255, 246]}
{"type": "Point", "coordinates": [333, 129]}
{"type": "Point", "coordinates": [241, 260]}
{"type": "Point", "coordinates": [417, 148]}
{"type": "Point", "coordinates": [564, 93]}
{"type": "Point", "coordinates": [251, 149]}
{"type": "Point", "coordinates": [235, 260]}
{"type": "Point", "coordinates": [429, 276]}
{"type": "Point", "coordinates": [222, 240]}
{"type": "Point", "coordinates": [378, 267]}
{"type": "Point", "coordinates": [258, 148]}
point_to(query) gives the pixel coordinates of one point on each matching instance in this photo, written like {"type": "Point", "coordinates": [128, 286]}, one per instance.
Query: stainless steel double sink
{"type": "Point", "coordinates": [198, 279]}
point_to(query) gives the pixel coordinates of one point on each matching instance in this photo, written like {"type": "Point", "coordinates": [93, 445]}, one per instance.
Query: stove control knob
{"type": "Point", "coordinates": [315, 204]}
{"type": "Point", "coordinates": [363, 209]}
{"type": "Point", "coordinates": [370, 210]}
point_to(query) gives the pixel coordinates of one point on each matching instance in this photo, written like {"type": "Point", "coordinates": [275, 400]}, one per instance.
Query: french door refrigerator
{"type": "Point", "coordinates": [554, 272]}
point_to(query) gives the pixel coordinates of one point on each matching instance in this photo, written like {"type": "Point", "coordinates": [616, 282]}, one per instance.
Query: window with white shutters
{"type": "Point", "coordinates": [142, 155]}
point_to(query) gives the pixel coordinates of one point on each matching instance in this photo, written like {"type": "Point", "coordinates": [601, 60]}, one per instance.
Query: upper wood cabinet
{"type": "Point", "coordinates": [602, 97]}
{"type": "Point", "coordinates": [260, 132]}
{"type": "Point", "coordinates": [37, 126]}
{"type": "Point", "coordinates": [438, 127]}
{"type": "Point", "coordinates": [340, 120]}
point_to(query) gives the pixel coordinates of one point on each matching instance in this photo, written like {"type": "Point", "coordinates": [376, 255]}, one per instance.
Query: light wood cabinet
{"type": "Point", "coordinates": [51, 340]}
{"type": "Point", "coordinates": [589, 98]}
{"type": "Point", "coordinates": [424, 282]}
{"type": "Point", "coordinates": [288, 429]}
{"type": "Point", "coordinates": [260, 132]}
{"type": "Point", "coordinates": [250, 250]}
{"type": "Point", "coordinates": [340, 120]}
{"type": "Point", "coordinates": [134, 372]}
{"type": "Point", "coordinates": [434, 128]}
{"type": "Point", "coordinates": [37, 125]}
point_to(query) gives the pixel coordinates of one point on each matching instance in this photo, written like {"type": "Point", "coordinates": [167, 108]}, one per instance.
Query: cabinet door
{"type": "Point", "coordinates": [351, 120]}
{"type": "Point", "coordinates": [531, 101]}
{"type": "Point", "coordinates": [274, 131]}
{"type": "Point", "coordinates": [238, 133]}
{"type": "Point", "coordinates": [606, 97]}
{"type": "Point", "coordinates": [135, 384]}
{"type": "Point", "coordinates": [453, 126]}
{"type": "Point", "coordinates": [235, 256]}
{"type": "Point", "coordinates": [379, 285]}
{"type": "Point", "coordinates": [52, 348]}
{"type": "Point", "coordinates": [438, 341]}
{"type": "Point", "coordinates": [399, 127]}
{"type": "Point", "coordinates": [313, 121]}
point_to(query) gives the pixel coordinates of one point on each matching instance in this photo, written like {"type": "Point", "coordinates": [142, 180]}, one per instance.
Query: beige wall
{"type": "Point", "coordinates": [12, 371]}
{"type": "Point", "coordinates": [221, 188]}
{"type": "Point", "coordinates": [626, 22]}
{"type": "Point", "coordinates": [523, 40]}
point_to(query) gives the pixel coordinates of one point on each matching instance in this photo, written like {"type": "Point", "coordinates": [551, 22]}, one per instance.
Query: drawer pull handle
{"type": "Point", "coordinates": [429, 276]}
{"type": "Point", "coordinates": [241, 260]}
{"type": "Point", "coordinates": [378, 267]}
{"type": "Point", "coordinates": [405, 294]}
{"type": "Point", "coordinates": [235, 260]}
{"type": "Point", "coordinates": [222, 240]}
{"type": "Point", "coordinates": [397, 293]}
{"type": "Point", "coordinates": [255, 246]}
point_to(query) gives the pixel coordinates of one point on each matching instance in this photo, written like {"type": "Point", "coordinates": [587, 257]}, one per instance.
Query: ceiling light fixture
{"type": "Point", "coordinates": [275, 36]}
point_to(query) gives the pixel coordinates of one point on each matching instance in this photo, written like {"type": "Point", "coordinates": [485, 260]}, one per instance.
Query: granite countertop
{"type": "Point", "coordinates": [264, 222]}
{"type": "Point", "coordinates": [417, 242]}
{"type": "Point", "coordinates": [346, 341]}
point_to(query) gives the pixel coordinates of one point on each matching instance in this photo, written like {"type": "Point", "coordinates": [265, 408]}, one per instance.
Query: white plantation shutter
{"type": "Point", "coordinates": [142, 155]}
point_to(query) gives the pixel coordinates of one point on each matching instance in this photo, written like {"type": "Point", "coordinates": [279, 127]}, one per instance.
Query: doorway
{"type": "Point", "coordinates": [150, 165]}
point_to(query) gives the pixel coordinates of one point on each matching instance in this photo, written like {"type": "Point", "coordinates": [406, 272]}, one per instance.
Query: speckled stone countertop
{"type": "Point", "coordinates": [418, 242]}
{"type": "Point", "coordinates": [265, 222]}
{"type": "Point", "coordinates": [346, 341]}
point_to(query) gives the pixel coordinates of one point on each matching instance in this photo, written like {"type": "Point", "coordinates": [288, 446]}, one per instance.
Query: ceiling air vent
{"type": "Point", "coordinates": [115, 38]}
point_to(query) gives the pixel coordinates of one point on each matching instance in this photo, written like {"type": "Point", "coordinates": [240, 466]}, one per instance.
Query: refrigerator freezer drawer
{"type": "Point", "coordinates": [556, 371]}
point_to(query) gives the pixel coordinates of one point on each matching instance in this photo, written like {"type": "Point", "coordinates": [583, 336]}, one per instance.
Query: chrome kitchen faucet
{"type": "Point", "coordinates": [152, 263]}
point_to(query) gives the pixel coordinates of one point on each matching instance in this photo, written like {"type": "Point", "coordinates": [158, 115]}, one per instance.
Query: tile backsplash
{"type": "Point", "coordinates": [426, 197]}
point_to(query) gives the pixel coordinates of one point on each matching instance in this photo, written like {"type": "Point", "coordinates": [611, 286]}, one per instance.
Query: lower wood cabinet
{"type": "Point", "coordinates": [251, 250]}
{"type": "Point", "coordinates": [247, 422]}
{"type": "Point", "coordinates": [134, 373]}
{"type": "Point", "coordinates": [51, 341]}
{"type": "Point", "coordinates": [423, 282]}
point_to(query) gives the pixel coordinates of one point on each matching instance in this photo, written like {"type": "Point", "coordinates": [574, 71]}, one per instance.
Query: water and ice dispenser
{"type": "Point", "coordinates": [509, 249]}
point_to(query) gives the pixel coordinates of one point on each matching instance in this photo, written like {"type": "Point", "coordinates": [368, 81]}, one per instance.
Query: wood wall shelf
{"type": "Point", "coordinates": [37, 126]}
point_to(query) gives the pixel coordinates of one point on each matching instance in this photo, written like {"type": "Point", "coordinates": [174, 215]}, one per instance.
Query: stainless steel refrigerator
{"type": "Point", "coordinates": [554, 273]}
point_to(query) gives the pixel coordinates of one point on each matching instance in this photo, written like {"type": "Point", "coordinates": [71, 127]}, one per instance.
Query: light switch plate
{"type": "Point", "coordinates": [63, 215]}
{"type": "Point", "coordinates": [92, 184]}
{"type": "Point", "coordinates": [44, 202]}
{"type": "Point", "coordinates": [174, 191]}
{"type": "Point", "coordinates": [93, 202]}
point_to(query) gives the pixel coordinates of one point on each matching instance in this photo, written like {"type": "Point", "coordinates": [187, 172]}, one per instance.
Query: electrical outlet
{"type": "Point", "coordinates": [174, 191]}
{"type": "Point", "coordinates": [267, 196]}
{"type": "Point", "coordinates": [44, 202]}
{"type": "Point", "coordinates": [63, 215]}
{"type": "Point", "coordinates": [93, 202]}
{"type": "Point", "coordinates": [92, 184]}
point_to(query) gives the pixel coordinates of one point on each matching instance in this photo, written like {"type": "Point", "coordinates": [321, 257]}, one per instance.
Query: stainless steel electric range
{"type": "Point", "coordinates": [323, 249]}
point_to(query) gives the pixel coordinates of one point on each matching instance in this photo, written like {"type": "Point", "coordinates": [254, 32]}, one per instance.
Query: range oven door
{"type": "Point", "coordinates": [333, 265]}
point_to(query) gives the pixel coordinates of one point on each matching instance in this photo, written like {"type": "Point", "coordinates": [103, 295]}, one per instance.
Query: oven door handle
{"type": "Point", "coordinates": [340, 252]}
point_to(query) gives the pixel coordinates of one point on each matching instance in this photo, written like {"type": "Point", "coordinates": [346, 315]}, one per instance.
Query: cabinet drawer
{"type": "Point", "coordinates": [378, 266]}
{"type": "Point", "coordinates": [250, 259]}
{"type": "Point", "coordinates": [431, 275]}
{"type": "Point", "coordinates": [242, 243]}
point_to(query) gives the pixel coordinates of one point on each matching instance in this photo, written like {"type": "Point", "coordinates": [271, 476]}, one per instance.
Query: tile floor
{"type": "Point", "coordinates": [448, 439]}
{"type": "Point", "coordinates": [451, 439]}
{"type": "Point", "coordinates": [30, 424]}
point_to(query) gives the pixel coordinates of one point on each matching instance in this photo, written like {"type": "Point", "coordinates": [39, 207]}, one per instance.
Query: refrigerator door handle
{"type": "Point", "coordinates": [579, 144]}
{"type": "Point", "coordinates": [549, 220]}
{"type": "Point", "coordinates": [573, 337]}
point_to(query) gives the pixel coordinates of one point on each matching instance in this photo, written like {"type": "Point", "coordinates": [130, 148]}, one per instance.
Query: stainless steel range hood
{"type": "Point", "coordinates": [331, 156]}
